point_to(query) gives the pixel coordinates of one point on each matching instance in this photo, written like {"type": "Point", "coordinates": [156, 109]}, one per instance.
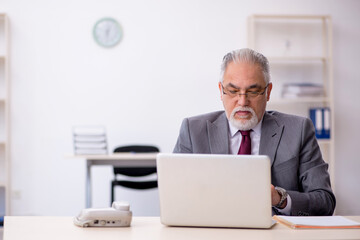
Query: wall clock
{"type": "Point", "coordinates": [107, 32]}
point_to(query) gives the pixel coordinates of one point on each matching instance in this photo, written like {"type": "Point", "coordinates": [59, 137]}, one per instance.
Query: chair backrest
{"type": "Point", "coordinates": [137, 149]}
{"type": "Point", "coordinates": [136, 172]}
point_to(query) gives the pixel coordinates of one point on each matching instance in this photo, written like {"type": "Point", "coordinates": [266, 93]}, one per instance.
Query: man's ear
{"type": "Point", "coordinates": [221, 92]}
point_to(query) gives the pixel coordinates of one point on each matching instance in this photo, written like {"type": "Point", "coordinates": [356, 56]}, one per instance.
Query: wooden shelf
{"type": "Point", "coordinates": [269, 16]}
{"type": "Point", "coordinates": [282, 101]}
{"type": "Point", "coordinates": [299, 49]}
{"type": "Point", "coordinates": [324, 141]}
{"type": "Point", "coordinates": [296, 59]}
{"type": "Point", "coordinates": [4, 116]}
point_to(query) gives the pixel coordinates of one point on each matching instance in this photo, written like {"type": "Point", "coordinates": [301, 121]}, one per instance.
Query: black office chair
{"type": "Point", "coordinates": [134, 171]}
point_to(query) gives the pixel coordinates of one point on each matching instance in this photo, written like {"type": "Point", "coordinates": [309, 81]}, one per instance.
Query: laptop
{"type": "Point", "coordinates": [207, 190]}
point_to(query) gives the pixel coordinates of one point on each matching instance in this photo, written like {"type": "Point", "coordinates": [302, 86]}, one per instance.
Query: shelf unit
{"type": "Point", "coordinates": [299, 49]}
{"type": "Point", "coordinates": [4, 118]}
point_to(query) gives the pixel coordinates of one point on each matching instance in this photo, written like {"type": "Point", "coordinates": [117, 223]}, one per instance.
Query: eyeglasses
{"type": "Point", "coordinates": [247, 94]}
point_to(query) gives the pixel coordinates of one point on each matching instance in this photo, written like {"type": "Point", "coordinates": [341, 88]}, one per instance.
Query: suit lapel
{"type": "Point", "coordinates": [219, 135]}
{"type": "Point", "coordinates": [271, 133]}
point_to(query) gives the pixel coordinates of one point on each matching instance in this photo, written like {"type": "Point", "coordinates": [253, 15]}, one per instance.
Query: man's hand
{"type": "Point", "coordinates": [275, 197]}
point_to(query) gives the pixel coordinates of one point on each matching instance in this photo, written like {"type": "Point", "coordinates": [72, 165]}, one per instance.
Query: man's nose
{"type": "Point", "coordinates": [242, 100]}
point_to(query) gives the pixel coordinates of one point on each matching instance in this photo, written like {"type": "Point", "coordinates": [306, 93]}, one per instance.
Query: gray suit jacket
{"type": "Point", "coordinates": [289, 141]}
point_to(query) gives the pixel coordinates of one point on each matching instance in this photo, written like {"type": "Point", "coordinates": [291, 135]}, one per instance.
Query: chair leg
{"type": "Point", "coordinates": [112, 193]}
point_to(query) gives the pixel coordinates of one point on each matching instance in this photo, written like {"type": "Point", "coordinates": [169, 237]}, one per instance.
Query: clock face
{"type": "Point", "coordinates": [107, 32]}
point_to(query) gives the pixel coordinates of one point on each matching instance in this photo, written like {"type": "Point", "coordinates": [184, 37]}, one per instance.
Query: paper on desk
{"type": "Point", "coordinates": [317, 222]}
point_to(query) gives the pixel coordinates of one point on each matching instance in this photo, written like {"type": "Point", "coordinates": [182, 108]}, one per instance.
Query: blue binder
{"type": "Point", "coordinates": [321, 120]}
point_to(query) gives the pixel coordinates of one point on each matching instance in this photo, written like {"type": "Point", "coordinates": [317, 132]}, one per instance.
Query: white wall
{"type": "Point", "coordinates": [166, 68]}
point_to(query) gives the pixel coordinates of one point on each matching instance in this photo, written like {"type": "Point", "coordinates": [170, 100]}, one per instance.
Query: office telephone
{"type": "Point", "coordinates": [119, 215]}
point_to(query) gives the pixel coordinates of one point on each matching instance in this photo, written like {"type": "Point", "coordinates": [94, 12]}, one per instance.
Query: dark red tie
{"type": "Point", "coordinates": [245, 147]}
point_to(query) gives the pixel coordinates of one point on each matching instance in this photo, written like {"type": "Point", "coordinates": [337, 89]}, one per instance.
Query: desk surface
{"type": "Point", "coordinates": [120, 159]}
{"type": "Point", "coordinates": [117, 156]}
{"type": "Point", "coordinates": [44, 228]}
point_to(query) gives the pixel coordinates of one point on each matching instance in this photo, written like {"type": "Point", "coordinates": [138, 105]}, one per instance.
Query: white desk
{"type": "Point", "coordinates": [116, 160]}
{"type": "Point", "coordinates": [146, 228]}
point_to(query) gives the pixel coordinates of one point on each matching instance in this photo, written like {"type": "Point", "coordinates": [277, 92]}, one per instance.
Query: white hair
{"type": "Point", "coordinates": [243, 124]}
{"type": "Point", "coordinates": [246, 55]}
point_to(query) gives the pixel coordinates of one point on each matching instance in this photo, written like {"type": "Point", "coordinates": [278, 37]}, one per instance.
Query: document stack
{"type": "Point", "coordinates": [296, 90]}
{"type": "Point", "coordinates": [89, 140]}
{"type": "Point", "coordinates": [318, 222]}
{"type": "Point", "coordinates": [321, 120]}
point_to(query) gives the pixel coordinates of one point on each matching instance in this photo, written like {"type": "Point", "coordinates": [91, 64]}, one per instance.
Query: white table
{"type": "Point", "coordinates": [147, 228]}
{"type": "Point", "coordinates": [116, 160]}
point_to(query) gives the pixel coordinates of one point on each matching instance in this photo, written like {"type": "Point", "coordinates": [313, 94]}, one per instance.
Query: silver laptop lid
{"type": "Point", "coordinates": [214, 190]}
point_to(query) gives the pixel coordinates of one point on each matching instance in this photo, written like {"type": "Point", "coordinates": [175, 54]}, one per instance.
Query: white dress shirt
{"type": "Point", "coordinates": [235, 139]}
{"type": "Point", "coordinates": [255, 135]}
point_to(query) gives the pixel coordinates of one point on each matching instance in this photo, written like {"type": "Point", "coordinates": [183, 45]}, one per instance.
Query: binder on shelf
{"type": "Point", "coordinates": [321, 120]}
{"type": "Point", "coordinates": [326, 132]}
{"type": "Point", "coordinates": [296, 90]}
